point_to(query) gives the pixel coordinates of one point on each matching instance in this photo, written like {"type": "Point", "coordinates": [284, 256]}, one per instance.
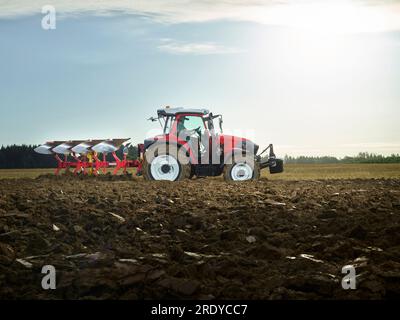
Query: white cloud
{"type": "Point", "coordinates": [196, 48]}
{"type": "Point", "coordinates": [325, 15]}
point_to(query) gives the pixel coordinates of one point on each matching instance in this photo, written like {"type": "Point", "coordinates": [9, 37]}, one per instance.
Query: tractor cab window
{"type": "Point", "coordinates": [191, 123]}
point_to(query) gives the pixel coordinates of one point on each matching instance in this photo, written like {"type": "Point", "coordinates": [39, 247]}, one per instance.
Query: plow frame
{"type": "Point", "coordinates": [92, 165]}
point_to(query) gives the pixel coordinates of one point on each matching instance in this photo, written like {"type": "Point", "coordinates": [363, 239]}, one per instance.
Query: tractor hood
{"type": "Point", "coordinates": [238, 143]}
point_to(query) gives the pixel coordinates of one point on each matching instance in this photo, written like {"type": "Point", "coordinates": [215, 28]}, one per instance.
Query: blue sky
{"type": "Point", "coordinates": [329, 86]}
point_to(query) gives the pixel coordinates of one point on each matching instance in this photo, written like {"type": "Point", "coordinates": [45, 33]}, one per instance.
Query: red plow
{"type": "Point", "coordinates": [89, 157]}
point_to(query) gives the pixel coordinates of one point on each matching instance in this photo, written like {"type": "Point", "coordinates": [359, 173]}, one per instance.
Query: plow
{"type": "Point", "coordinates": [190, 144]}
{"type": "Point", "coordinates": [89, 157]}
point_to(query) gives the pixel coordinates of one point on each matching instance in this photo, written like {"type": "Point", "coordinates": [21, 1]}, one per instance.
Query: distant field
{"type": "Point", "coordinates": [23, 173]}
{"type": "Point", "coordinates": [292, 172]}
{"type": "Point", "coordinates": [336, 171]}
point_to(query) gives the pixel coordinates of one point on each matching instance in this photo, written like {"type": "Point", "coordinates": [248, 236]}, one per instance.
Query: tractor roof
{"type": "Point", "coordinates": [174, 111]}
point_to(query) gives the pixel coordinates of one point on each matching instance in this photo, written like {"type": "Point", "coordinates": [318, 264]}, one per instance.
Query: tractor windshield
{"type": "Point", "coordinates": [191, 123]}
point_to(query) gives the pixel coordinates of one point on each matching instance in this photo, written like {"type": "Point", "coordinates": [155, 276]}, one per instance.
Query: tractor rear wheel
{"type": "Point", "coordinates": [242, 169]}
{"type": "Point", "coordinates": [165, 162]}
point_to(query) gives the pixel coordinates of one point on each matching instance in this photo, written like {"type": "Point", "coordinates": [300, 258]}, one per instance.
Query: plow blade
{"type": "Point", "coordinates": [109, 146]}
{"type": "Point", "coordinates": [81, 146]}
{"type": "Point", "coordinates": [47, 147]}
{"type": "Point", "coordinates": [65, 148]}
{"type": "Point", "coordinates": [43, 149]}
{"type": "Point", "coordinates": [86, 146]}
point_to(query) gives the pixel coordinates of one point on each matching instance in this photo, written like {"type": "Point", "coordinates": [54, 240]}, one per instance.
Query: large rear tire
{"type": "Point", "coordinates": [165, 162]}
{"type": "Point", "coordinates": [242, 169]}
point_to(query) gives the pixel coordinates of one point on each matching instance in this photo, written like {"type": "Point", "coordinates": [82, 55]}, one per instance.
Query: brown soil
{"type": "Point", "coordinates": [125, 238]}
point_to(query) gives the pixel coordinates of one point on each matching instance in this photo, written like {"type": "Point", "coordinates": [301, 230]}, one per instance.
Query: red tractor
{"type": "Point", "coordinates": [191, 145]}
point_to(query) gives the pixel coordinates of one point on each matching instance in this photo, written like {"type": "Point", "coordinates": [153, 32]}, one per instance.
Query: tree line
{"type": "Point", "coordinates": [24, 157]}
{"type": "Point", "coordinates": [362, 157]}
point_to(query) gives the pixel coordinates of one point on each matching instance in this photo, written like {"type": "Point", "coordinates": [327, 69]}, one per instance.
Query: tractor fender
{"type": "Point", "coordinates": [185, 147]}
{"type": "Point", "coordinates": [149, 142]}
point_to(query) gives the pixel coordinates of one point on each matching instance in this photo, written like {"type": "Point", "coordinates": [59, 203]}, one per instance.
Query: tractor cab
{"type": "Point", "coordinates": [189, 119]}
{"type": "Point", "coordinates": [193, 144]}
{"type": "Point", "coordinates": [183, 125]}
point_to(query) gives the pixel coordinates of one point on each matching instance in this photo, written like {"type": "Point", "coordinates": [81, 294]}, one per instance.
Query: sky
{"type": "Point", "coordinates": [313, 77]}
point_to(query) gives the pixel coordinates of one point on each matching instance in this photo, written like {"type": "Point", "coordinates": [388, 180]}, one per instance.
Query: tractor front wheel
{"type": "Point", "coordinates": [165, 162]}
{"type": "Point", "coordinates": [242, 169]}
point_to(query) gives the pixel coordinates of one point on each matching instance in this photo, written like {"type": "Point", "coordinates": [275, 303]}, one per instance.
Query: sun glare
{"type": "Point", "coordinates": [320, 38]}
{"type": "Point", "coordinates": [335, 17]}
